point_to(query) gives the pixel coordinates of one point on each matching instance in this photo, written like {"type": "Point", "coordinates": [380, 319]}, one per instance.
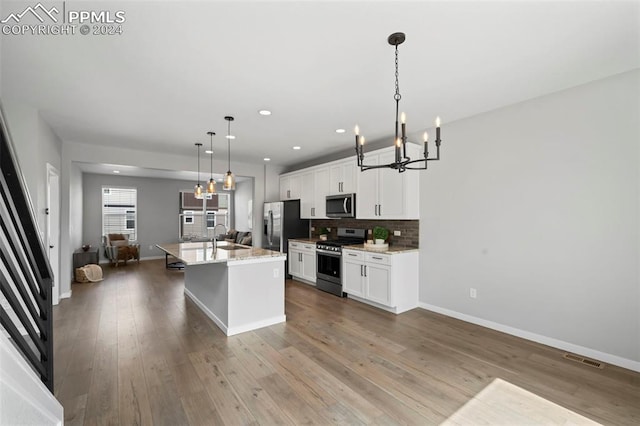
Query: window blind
{"type": "Point", "coordinates": [119, 208]}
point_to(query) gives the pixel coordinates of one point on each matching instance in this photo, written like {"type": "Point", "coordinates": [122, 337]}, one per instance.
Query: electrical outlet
{"type": "Point", "coordinates": [397, 233]}
{"type": "Point", "coordinates": [276, 273]}
{"type": "Point", "coordinates": [313, 228]}
{"type": "Point", "coordinates": [473, 293]}
{"type": "Point", "coordinates": [150, 246]}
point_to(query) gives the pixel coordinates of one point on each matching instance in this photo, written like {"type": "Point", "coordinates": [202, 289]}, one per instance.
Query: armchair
{"type": "Point", "coordinates": [117, 248]}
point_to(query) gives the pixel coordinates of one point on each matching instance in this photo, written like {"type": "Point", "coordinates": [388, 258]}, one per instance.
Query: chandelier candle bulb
{"type": "Point", "coordinates": [437, 128]}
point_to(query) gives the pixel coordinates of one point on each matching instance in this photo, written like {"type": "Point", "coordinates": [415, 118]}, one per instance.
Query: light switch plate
{"type": "Point", "coordinates": [397, 233]}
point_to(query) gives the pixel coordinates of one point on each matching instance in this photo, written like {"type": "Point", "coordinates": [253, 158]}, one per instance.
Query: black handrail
{"type": "Point", "coordinates": [25, 277]}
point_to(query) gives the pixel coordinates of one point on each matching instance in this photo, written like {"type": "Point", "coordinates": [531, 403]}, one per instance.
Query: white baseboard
{"type": "Point", "coordinates": [549, 341]}
{"type": "Point", "coordinates": [65, 295]}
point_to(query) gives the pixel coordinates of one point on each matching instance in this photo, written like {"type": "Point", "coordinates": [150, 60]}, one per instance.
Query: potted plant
{"type": "Point", "coordinates": [323, 233]}
{"type": "Point", "coordinates": [380, 234]}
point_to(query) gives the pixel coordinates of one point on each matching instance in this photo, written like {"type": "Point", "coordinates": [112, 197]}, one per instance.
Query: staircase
{"type": "Point", "coordinates": [26, 321]}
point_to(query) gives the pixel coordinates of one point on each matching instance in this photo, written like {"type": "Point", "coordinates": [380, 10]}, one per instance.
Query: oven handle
{"type": "Point", "coordinates": [329, 253]}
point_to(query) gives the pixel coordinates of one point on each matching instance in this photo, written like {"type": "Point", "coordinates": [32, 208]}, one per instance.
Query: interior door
{"type": "Point", "coordinates": [53, 228]}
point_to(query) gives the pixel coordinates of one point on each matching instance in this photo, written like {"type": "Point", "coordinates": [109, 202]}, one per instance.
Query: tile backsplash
{"type": "Point", "coordinates": [409, 229]}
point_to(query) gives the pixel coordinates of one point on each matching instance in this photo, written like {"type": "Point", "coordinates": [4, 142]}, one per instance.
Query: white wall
{"type": "Point", "coordinates": [35, 145]}
{"type": "Point", "coordinates": [537, 207]}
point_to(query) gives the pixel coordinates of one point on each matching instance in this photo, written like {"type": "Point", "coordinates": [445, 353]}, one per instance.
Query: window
{"type": "Point", "coordinates": [119, 207]}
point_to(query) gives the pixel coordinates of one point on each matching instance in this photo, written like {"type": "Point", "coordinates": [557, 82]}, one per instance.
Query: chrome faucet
{"type": "Point", "coordinates": [215, 234]}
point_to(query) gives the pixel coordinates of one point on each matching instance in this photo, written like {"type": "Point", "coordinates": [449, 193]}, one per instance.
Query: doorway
{"type": "Point", "coordinates": [53, 228]}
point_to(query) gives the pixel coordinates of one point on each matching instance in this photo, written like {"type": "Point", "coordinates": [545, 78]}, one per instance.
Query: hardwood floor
{"type": "Point", "coordinates": [133, 350]}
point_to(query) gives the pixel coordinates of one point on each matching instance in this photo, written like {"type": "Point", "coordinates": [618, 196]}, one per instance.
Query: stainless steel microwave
{"type": "Point", "coordinates": [343, 205]}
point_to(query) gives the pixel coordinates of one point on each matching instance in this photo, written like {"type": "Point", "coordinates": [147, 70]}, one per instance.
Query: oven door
{"type": "Point", "coordinates": [328, 266]}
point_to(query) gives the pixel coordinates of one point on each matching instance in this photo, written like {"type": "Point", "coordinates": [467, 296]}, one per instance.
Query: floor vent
{"type": "Point", "coordinates": [583, 360]}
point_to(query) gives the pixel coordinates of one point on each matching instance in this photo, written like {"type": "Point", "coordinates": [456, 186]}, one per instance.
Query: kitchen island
{"type": "Point", "coordinates": [241, 288]}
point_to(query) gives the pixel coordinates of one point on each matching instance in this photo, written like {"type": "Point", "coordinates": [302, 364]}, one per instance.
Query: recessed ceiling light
{"type": "Point", "coordinates": [296, 148]}
{"type": "Point", "coordinates": [208, 151]}
{"type": "Point", "coordinates": [116, 171]}
{"type": "Point", "coordinates": [230, 137]}
{"type": "Point", "coordinates": [267, 159]}
{"type": "Point", "coordinates": [340, 130]}
{"type": "Point", "coordinates": [264, 112]}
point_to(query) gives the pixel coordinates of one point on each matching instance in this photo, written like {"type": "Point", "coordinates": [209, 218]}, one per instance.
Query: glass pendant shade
{"type": "Point", "coordinates": [211, 186]}
{"type": "Point", "coordinates": [197, 192]}
{"type": "Point", "coordinates": [229, 182]}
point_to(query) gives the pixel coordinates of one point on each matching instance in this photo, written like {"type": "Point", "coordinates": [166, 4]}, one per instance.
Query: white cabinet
{"type": "Point", "coordinates": [315, 184]}
{"type": "Point", "coordinates": [302, 261]}
{"type": "Point", "coordinates": [342, 176]}
{"type": "Point", "coordinates": [385, 193]}
{"type": "Point", "coordinates": [307, 195]}
{"type": "Point", "coordinates": [290, 186]}
{"type": "Point", "coordinates": [388, 281]}
{"type": "Point", "coordinates": [353, 279]}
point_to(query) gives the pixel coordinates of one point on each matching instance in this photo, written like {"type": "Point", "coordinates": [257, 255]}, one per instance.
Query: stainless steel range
{"type": "Point", "coordinates": [329, 259]}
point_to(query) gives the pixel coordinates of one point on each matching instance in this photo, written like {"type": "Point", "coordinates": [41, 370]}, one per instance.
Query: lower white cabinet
{"type": "Point", "coordinates": [302, 261]}
{"type": "Point", "coordinates": [388, 281]}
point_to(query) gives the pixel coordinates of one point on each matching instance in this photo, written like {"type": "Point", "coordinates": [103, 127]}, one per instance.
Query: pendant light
{"type": "Point", "coordinates": [211, 186]}
{"type": "Point", "coordinates": [229, 178]}
{"type": "Point", "coordinates": [197, 190]}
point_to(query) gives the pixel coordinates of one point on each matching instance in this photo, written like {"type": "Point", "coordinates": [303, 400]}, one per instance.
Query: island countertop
{"type": "Point", "coordinates": [202, 252]}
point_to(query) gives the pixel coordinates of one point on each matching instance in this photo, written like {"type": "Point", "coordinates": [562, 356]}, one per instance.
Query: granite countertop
{"type": "Point", "coordinates": [305, 240]}
{"type": "Point", "coordinates": [390, 250]}
{"type": "Point", "coordinates": [202, 252]}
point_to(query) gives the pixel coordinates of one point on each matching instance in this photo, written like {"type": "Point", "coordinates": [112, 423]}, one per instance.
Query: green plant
{"type": "Point", "coordinates": [380, 233]}
{"type": "Point", "coordinates": [324, 231]}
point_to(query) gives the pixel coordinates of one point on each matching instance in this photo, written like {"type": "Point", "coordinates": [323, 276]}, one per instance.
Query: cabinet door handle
{"type": "Point", "coordinates": [361, 273]}
{"type": "Point", "coordinates": [365, 270]}
{"type": "Point", "coordinates": [375, 210]}
{"type": "Point", "coordinates": [379, 209]}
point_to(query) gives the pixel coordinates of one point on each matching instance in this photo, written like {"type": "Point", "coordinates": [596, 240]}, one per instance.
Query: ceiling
{"type": "Point", "coordinates": [180, 67]}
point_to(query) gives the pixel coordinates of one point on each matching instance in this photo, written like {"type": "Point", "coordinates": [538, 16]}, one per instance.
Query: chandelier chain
{"type": "Point", "coordinates": [397, 96]}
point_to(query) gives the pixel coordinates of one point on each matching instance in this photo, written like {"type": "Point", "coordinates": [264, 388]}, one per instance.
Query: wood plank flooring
{"type": "Point", "coordinates": [132, 350]}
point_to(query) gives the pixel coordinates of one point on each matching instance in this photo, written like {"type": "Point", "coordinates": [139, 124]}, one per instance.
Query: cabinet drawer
{"type": "Point", "coordinates": [294, 245]}
{"type": "Point", "coordinates": [309, 247]}
{"type": "Point", "coordinates": [353, 255]}
{"type": "Point", "coordinates": [381, 259]}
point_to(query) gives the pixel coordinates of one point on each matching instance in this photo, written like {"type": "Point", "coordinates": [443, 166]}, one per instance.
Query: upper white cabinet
{"type": "Point", "coordinates": [386, 194]}
{"type": "Point", "coordinates": [315, 187]}
{"type": "Point", "coordinates": [380, 193]}
{"type": "Point", "coordinates": [342, 176]}
{"type": "Point", "coordinates": [290, 186]}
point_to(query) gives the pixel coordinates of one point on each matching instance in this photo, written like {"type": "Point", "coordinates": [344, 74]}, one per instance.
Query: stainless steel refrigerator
{"type": "Point", "coordinates": [281, 222]}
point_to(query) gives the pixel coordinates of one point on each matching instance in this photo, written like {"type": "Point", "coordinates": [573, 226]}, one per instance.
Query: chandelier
{"type": "Point", "coordinates": [229, 179]}
{"type": "Point", "coordinates": [402, 162]}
